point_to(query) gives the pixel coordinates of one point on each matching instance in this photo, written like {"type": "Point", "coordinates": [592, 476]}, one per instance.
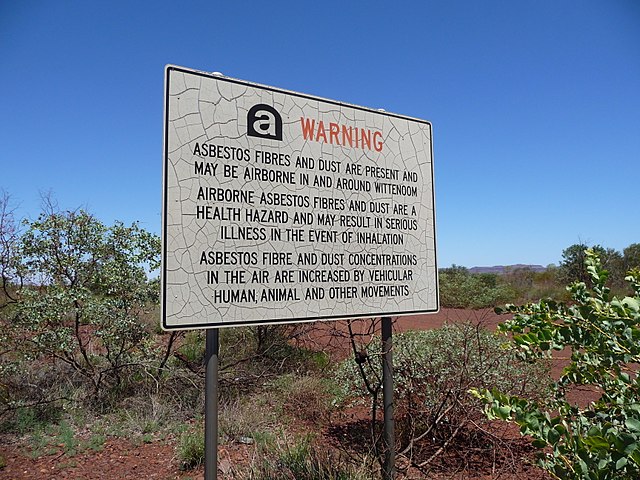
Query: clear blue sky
{"type": "Point", "coordinates": [535, 104]}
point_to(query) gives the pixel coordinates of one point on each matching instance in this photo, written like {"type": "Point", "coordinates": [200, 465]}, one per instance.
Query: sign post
{"type": "Point", "coordinates": [387, 400]}
{"type": "Point", "coordinates": [212, 350]}
{"type": "Point", "coordinates": [284, 207]}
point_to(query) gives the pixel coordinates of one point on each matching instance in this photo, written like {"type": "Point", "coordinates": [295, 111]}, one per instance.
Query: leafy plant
{"type": "Point", "coordinates": [599, 441]}
{"type": "Point", "coordinates": [87, 287]}
{"type": "Point", "coordinates": [573, 267]}
{"type": "Point", "coordinates": [433, 370]}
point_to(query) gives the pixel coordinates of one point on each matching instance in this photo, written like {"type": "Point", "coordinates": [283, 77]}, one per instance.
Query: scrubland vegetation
{"type": "Point", "coordinates": [461, 289]}
{"type": "Point", "coordinates": [602, 439]}
{"type": "Point", "coordinates": [82, 359]}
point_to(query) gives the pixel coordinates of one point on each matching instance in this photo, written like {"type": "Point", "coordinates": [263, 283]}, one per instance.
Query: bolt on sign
{"type": "Point", "coordinates": [284, 207]}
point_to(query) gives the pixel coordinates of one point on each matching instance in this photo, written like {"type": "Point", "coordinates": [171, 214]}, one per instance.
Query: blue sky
{"type": "Point", "coordinates": [535, 104]}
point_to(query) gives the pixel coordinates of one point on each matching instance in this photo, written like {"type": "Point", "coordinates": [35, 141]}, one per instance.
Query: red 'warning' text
{"type": "Point", "coordinates": [344, 135]}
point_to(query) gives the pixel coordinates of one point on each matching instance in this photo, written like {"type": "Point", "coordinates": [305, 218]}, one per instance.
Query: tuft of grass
{"type": "Point", "coordinates": [67, 437]}
{"type": "Point", "coordinates": [249, 418]}
{"type": "Point", "coordinates": [26, 420]}
{"type": "Point", "coordinates": [50, 439]}
{"type": "Point", "coordinates": [95, 442]}
{"type": "Point", "coordinates": [29, 419]}
{"type": "Point", "coordinates": [193, 347]}
{"type": "Point", "coordinates": [265, 439]}
{"type": "Point", "coordinates": [303, 460]}
{"type": "Point", "coordinates": [319, 360]}
{"type": "Point", "coordinates": [142, 419]}
{"type": "Point", "coordinates": [37, 443]}
{"type": "Point", "coordinates": [191, 448]}
{"type": "Point", "coordinates": [308, 398]}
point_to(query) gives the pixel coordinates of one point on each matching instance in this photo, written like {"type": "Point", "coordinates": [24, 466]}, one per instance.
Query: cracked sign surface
{"type": "Point", "coordinates": [283, 207]}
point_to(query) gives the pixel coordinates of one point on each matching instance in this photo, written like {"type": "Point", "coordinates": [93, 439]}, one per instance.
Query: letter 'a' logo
{"type": "Point", "coordinates": [263, 121]}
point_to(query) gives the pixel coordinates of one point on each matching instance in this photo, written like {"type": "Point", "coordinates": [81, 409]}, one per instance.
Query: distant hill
{"type": "Point", "coordinates": [501, 269]}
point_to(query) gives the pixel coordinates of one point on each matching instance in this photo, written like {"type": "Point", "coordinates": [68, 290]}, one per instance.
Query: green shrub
{"type": "Point", "coordinates": [433, 371]}
{"type": "Point", "coordinates": [600, 441]}
{"type": "Point", "coordinates": [430, 362]}
{"type": "Point", "coordinates": [461, 289]}
{"type": "Point", "coordinates": [85, 290]}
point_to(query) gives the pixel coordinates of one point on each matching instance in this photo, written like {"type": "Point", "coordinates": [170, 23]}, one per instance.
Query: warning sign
{"type": "Point", "coordinates": [282, 207]}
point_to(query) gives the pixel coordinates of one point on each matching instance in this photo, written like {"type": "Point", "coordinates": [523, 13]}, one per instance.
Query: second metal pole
{"type": "Point", "coordinates": [387, 400]}
{"type": "Point", "coordinates": [211, 405]}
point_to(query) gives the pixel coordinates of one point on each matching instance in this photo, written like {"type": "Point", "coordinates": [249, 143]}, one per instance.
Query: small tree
{"type": "Point", "coordinates": [9, 283]}
{"type": "Point", "coordinates": [86, 288]}
{"type": "Point", "coordinates": [573, 267]}
{"type": "Point", "coordinates": [631, 257]}
{"type": "Point", "coordinates": [602, 440]}
{"type": "Point", "coordinates": [9, 234]}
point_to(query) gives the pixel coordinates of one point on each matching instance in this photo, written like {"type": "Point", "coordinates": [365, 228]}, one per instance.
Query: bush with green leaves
{"type": "Point", "coordinates": [601, 440]}
{"type": "Point", "coordinates": [530, 286]}
{"type": "Point", "coordinates": [573, 265]}
{"type": "Point", "coordinates": [461, 289]}
{"type": "Point", "coordinates": [84, 289]}
{"type": "Point", "coordinates": [433, 371]}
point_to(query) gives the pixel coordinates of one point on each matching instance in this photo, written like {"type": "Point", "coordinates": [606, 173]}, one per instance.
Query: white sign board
{"type": "Point", "coordinates": [283, 207]}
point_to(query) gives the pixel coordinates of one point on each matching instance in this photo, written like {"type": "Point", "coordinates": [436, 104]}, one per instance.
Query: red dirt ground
{"type": "Point", "coordinates": [121, 459]}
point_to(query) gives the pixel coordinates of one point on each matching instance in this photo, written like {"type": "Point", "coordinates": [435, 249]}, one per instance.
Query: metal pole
{"type": "Point", "coordinates": [387, 400]}
{"type": "Point", "coordinates": [211, 405]}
